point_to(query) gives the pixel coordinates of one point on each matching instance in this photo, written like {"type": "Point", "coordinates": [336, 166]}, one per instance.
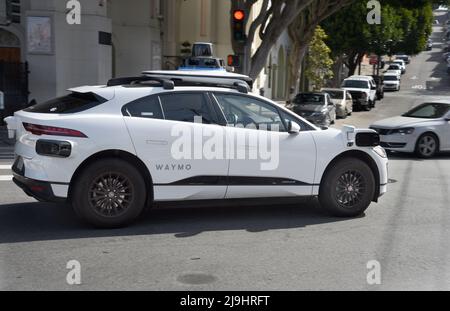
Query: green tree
{"type": "Point", "coordinates": [318, 60]}
{"type": "Point", "coordinates": [405, 27]}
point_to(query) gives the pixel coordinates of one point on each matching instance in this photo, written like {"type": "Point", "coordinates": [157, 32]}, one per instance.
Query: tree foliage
{"type": "Point", "coordinates": [271, 21]}
{"type": "Point", "coordinates": [318, 60]}
{"type": "Point", "coordinates": [405, 27]}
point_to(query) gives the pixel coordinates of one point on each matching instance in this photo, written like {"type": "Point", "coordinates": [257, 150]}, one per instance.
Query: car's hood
{"type": "Point", "coordinates": [391, 82]}
{"type": "Point", "coordinates": [308, 108]}
{"type": "Point", "coordinates": [396, 122]}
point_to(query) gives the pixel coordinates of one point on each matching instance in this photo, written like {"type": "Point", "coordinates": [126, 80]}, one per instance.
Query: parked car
{"type": "Point", "coordinates": [363, 90]}
{"type": "Point", "coordinates": [342, 100]}
{"type": "Point", "coordinates": [317, 108]}
{"type": "Point", "coordinates": [395, 67]}
{"type": "Point", "coordinates": [395, 72]}
{"type": "Point", "coordinates": [404, 57]}
{"type": "Point", "coordinates": [380, 86]}
{"type": "Point", "coordinates": [391, 82]}
{"type": "Point", "coordinates": [424, 130]}
{"type": "Point", "coordinates": [402, 65]}
{"type": "Point", "coordinates": [109, 150]}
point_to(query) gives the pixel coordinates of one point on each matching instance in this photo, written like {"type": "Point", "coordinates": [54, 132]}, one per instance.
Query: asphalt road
{"type": "Point", "coordinates": [251, 248]}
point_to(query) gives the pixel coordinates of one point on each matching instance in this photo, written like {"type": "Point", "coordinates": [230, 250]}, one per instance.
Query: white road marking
{"type": "Point", "coordinates": [6, 177]}
{"type": "Point", "coordinates": [5, 167]}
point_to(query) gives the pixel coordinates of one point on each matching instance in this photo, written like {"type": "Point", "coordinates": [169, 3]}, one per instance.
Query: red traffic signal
{"type": "Point", "coordinates": [233, 61]}
{"type": "Point", "coordinates": [239, 15]}
{"type": "Point", "coordinates": [239, 25]}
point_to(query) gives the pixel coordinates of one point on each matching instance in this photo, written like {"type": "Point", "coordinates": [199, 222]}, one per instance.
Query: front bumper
{"type": "Point", "coordinates": [398, 142]}
{"type": "Point", "coordinates": [390, 87]}
{"type": "Point", "coordinates": [320, 119]}
{"type": "Point", "coordinates": [341, 111]}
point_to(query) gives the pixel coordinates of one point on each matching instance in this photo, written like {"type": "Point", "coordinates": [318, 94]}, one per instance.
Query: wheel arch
{"type": "Point", "coordinates": [363, 156]}
{"type": "Point", "coordinates": [117, 154]}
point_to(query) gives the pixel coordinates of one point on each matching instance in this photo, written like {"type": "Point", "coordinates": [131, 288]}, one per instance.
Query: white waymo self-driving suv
{"type": "Point", "coordinates": [113, 150]}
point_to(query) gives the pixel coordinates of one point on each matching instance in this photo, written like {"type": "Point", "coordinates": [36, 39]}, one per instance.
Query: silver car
{"type": "Point", "coordinates": [424, 130]}
{"type": "Point", "coordinates": [317, 108]}
{"type": "Point", "coordinates": [343, 101]}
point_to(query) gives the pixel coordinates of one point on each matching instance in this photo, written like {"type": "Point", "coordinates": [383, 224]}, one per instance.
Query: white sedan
{"type": "Point", "coordinates": [424, 130]}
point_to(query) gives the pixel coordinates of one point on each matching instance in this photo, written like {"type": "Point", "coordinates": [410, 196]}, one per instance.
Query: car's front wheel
{"type": "Point", "coordinates": [110, 193]}
{"type": "Point", "coordinates": [348, 188]}
{"type": "Point", "coordinates": [427, 145]}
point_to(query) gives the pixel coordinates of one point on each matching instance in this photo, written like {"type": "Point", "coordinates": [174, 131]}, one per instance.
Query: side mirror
{"type": "Point", "coordinates": [293, 128]}
{"type": "Point", "coordinates": [232, 118]}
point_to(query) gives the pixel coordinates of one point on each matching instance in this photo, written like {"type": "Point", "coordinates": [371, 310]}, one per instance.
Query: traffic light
{"type": "Point", "coordinates": [13, 11]}
{"type": "Point", "coordinates": [233, 61]}
{"type": "Point", "coordinates": [239, 25]}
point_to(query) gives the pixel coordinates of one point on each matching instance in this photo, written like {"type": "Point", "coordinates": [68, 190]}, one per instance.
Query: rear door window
{"type": "Point", "coordinates": [186, 107]}
{"type": "Point", "coordinates": [146, 107]}
{"type": "Point", "coordinates": [72, 103]}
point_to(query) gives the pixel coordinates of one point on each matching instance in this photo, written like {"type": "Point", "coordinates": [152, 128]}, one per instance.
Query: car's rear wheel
{"type": "Point", "coordinates": [347, 188]}
{"type": "Point", "coordinates": [427, 145]}
{"type": "Point", "coordinates": [110, 193]}
{"type": "Point", "coordinates": [368, 107]}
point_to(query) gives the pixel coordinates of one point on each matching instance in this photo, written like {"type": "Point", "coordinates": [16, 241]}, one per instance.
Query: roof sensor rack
{"type": "Point", "coordinates": [170, 79]}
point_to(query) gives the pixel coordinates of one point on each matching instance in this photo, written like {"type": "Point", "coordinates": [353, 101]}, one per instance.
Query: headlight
{"type": "Point", "coordinates": [403, 131]}
{"type": "Point", "coordinates": [380, 151]}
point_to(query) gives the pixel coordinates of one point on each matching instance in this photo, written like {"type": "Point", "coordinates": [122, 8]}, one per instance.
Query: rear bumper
{"type": "Point", "coordinates": [40, 190]}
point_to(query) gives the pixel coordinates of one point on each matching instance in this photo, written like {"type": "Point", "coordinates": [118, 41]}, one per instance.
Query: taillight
{"type": "Point", "coordinates": [51, 130]}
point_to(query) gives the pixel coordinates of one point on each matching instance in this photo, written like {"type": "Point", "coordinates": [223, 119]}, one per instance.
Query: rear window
{"type": "Point", "coordinates": [358, 84]}
{"type": "Point", "coordinates": [72, 103]}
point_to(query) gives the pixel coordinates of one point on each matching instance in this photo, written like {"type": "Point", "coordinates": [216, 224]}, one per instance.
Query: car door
{"type": "Point", "coordinates": [373, 90]}
{"type": "Point", "coordinates": [349, 101]}
{"type": "Point", "coordinates": [264, 161]}
{"type": "Point", "coordinates": [169, 132]}
{"type": "Point", "coordinates": [331, 108]}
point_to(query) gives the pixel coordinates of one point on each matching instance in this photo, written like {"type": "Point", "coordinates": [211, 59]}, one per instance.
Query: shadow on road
{"type": "Point", "coordinates": [44, 222]}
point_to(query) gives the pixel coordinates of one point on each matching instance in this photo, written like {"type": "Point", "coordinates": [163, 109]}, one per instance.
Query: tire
{"type": "Point", "coordinates": [427, 146]}
{"type": "Point", "coordinates": [347, 202]}
{"type": "Point", "coordinates": [368, 107]}
{"type": "Point", "coordinates": [95, 200]}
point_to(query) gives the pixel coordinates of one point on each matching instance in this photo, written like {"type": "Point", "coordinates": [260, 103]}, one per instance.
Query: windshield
{"type": "Point", "coordinates": [390, 78]}
{"type": "Point", "coordinates": [335, 94]}
{"type": "Point", "coordinates": [310, 99]}
{"type": "Point", "coordinates": [358, 84]}
{"type": "Point", "coordinates": [428, 111]}
{"type": "Point", "coordinates": [394, 67]}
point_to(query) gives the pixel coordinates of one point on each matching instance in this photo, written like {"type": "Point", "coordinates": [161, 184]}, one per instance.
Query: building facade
{"type": "Point", "coordinates": [48, 50]}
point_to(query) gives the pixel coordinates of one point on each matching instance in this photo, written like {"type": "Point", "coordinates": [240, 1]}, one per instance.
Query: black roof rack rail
{"type": "Point", "coordinates": [165, 83]}
{"type": "Point", "coordinates": [169, 82]}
